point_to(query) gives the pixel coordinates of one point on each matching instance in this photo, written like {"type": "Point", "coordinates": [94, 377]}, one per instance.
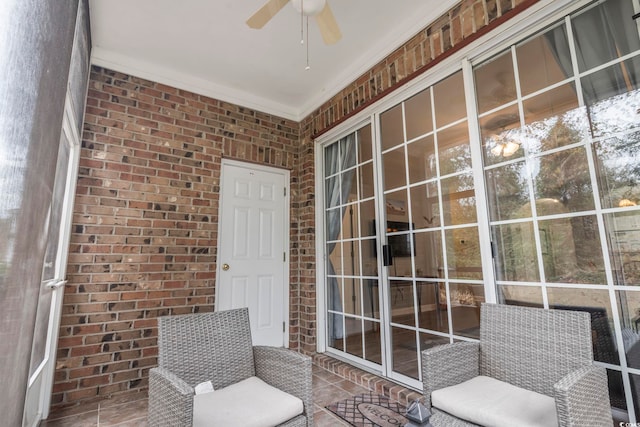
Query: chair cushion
{"type": "Point", "coordinates": [493, 403]}
{"type": "Point", "coordinates": [250, 403]}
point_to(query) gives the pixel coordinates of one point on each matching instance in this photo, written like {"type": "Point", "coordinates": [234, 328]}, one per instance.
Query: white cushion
{"type": "Point", "coordinates": [493, 403]}
{"type": "Point", "coordinates": [250, 403]}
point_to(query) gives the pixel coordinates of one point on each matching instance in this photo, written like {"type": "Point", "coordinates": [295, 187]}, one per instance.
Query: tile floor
{"type": "Point", "coordinates": [328, 387]}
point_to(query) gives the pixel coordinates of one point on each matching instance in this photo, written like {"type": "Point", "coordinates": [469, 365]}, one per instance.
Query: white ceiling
{"type": "Point", "coordinates": [205, 46]}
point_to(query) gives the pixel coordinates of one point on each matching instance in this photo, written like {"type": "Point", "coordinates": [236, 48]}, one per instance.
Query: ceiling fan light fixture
{"type": "Point", "coordinates": [309, 7]}
{"type": "Point", "coordinates": [510, 148]}
{"type": "Point", "coordinates": [502, 146]}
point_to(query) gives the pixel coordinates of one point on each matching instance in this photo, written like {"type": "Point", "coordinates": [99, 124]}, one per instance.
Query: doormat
{"type": "Point", "coordinates": [371, 410]}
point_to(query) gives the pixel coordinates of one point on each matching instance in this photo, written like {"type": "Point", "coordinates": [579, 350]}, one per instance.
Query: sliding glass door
{"type": "Point", "coordinates": [434, 287]}
{"type": "Point", "coordinates": [515, 179]}
{"type": "Point", "coordinates": [351, 266]}
{"type": "Point", "coordinates": [559, 119]}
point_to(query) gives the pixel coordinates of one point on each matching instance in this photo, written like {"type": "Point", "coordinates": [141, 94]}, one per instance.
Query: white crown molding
{"type": "Point", "coordinates": [367, 60]}
{"type": "Point", "coordinates": [157, 73]}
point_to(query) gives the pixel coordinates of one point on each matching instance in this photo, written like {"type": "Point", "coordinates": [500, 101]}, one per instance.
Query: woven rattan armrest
{"type": "Point", "coordinates": [582, 398]}
{"type": "Point", "coordinates": [447, 365]}
{"type": "Point", "coordinates": [170, 400]}
{"type": "Point", "coordinates": [288, 371]}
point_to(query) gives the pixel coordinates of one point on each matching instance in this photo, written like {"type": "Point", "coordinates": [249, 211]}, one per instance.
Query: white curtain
{"type": "Point", "coordinates": [602, 33]}
{"type": "Point", "coordinates": [338, 157]}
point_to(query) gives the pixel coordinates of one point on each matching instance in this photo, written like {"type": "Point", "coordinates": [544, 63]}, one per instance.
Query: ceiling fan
{"type": "Point", "coordinates": [319, 8]}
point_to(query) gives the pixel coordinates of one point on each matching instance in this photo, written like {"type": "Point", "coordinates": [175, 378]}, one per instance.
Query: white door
{"type": "Point", "coordinates": [252, 248]}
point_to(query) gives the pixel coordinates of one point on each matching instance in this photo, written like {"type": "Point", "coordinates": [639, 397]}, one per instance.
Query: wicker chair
{"type": "Point", "coordinates": [544, 351]}
{"type": "Point", "coordinates": [217, 347]}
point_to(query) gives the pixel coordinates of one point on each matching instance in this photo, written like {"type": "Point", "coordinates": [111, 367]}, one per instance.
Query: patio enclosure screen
{"type": "Point", "coordinates": [515, 180]}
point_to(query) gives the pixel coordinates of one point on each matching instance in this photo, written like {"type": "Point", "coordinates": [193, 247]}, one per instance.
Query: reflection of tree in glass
{"type": "Point", "coordinates": [615, 114]}
{"type": "Point", "coordinates": [564, 176]}
{"type": "Point", "coordinates": [459, 199]}
{"type": "Point", "coordinates": [455, 159]}
{"type": "Point", "coordinates": [618, 162]}
{"type": "Point", "coordinates": [508, 191]}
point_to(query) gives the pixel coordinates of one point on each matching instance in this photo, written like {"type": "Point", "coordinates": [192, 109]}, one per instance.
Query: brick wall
{"type": "Point", "coordinates": [453, 30]}
{"type": "Point", "coordinates": [145, 223]}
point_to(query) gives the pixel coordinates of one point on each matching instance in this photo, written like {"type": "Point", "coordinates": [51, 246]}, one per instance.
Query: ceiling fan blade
{"type": "Point", "coordinates": [328, 26]}
{"type": "Point", "coordinates": [265, 13]}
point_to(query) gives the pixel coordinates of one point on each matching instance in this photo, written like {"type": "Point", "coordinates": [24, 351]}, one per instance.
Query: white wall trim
{"type": "Point", "coordinates": [159, 74]}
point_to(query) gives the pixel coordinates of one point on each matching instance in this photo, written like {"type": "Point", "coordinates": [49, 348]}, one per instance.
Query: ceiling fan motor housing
{"type": "Point", "coordinates": [309, 7]}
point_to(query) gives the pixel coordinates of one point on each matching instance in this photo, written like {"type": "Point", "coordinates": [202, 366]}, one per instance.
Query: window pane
{"type": "Point", "coordinates": [391, 129]}
{"type": "Point", "coordinates": [405, 354]}
{"type": "Point", "coordinates": [611, 82]}
{"type": "Point", "coordinates": [554, 120]}
{"type": "Point", "coordinates": [401, 295]}
{"type": "Point", "coordinates": [425, 208]}
{"type": "Point", "coordinates": [371, 302]}
{"type": "Point", "coordinates": [619, 113]}
{"type": "Point", "coordinates": [331, 159]}
{"type": "Point", "coordinates": [458, 200]}
{"type": "Point", "coordinates": [508, 192]}
{"type": "Point", "coordinates": [563, 179]}
{"type": "Point", "coordinates": [335, 338]}
{"type": "Point", "coordinates": [334, 294]}
{"type": "Point", "coordinates": [351, 261]}
{"type": "Point", "coordinates": [501, 136]}
{"type": "Point", "coordinates": [618, 168]}
{"type": "Point", "coordinates": [495, 83]}
{"type": "Point", "coordinates": [350, 182]}
{"type": "Point", "coordinates": [525, 296]}
{"type": "Point", "coordinates": [348, 152]}
{"type": "Point", "coordinates": [417, 110]}
{"type": "Point", "coordinates": [422, 159]}
{"type": "Point", "coordinates": [365, 173]}
{"type": "Point", "coordinates": [394, 168]}
{"type": "Point", "coordinates": [463, 253]}
{"type": "Point", "coordinates": [364, 144]}
{"type": "Point", "coordinates": [369, 260]}
{"type": "Point", "coordinates": [350, 222]}
{"type": "Point", "coordinates": [448, 96]}
{"type": "Point", "coordinates": [334, 262]}
{"type": "Point", "coordinates": [571, 250]}
{"type": "Point", "coordinates": [428, 340]}
{"type": "Point", "coordinates": [372, 342]}
{"type": "Point", "coordinates": [333, 196]}
{"type": "Point", "coordinates": [367, 217]}
{"type": "Point", "coordinates": [396, 204]}
{"type": "Point", "coordinates": [465, 308]}
{"type": "Point", "coordinates": [629, 312]}
{"type": "Point", "coordinates": [334, 217]}
{"type": "Point", "coordinates": [353, 338]}
{"type": "Point", "coordinates": [596, 303]}
{"type": "Point", "coordinates": [516, 258]}
{"type": "Point", "coordinates": [623, 232]}
{"type": "Point", "coordinates": [616, 389]}
{"type": "Point", "coordinates": [432, 306]}
{"type": "Point", "coordinates": [428, 254]}
{"type": "Point", "coordinates": [539, 65]}
{"type": "Point", "coordinates": [454, 153]}
{"type": "Point", "coordinates": [605, 32]}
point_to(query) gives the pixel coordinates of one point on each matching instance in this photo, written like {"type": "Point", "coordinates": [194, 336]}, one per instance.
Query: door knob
{"type": "Point", "coordinates": [225, 266]}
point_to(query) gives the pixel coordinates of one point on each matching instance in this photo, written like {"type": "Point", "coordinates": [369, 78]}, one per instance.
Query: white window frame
{"type": "Point", "coordinates": [520, 27]}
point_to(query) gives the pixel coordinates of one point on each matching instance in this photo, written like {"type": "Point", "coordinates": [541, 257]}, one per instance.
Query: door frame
{"type": "Point", "coordinates": [286, 231]}
{"type": "Point", "coordinates": [40, 383]}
